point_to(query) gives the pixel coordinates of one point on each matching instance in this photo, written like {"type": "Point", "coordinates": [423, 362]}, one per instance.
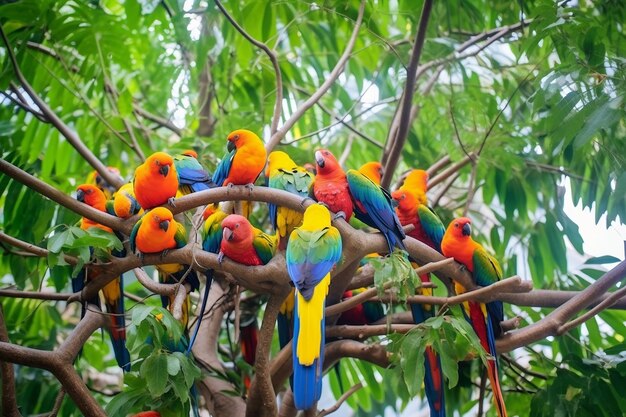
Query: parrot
{"type": "Point", "coordinates": [248, 340]}
{"type": "Point", "coordinates": [372, 205]}
{"type": "Point", "coordinates": [192, 177]}
{"type": "Point", "coordinates": [365, 313]}
{"type": "Point", "coordinates": [147, 414]}
{"type": "Point", "coordinates": [485, 318]}
{"type": "Point", "coordinates": [156, 181]}
{"type": "Point", "coordinates": [372, 170]}
{"type": "Point", "coordinates": [413, 209]}
{"type": "Point", "coordinates": [312, 252]}
{"type": "Point", "coordinates": [285, 320]}
{"type": "Point", "coordinates": [113, 291]}
{"type": "Point", "coordinates": [331, 186]}
{"type": "Point", "coordinates": [94, 178]}
{"type": "Point", "coordinates": [244, 161]}
{"type": "Point", "coordinates": [158, 232]}
{"type": "Point", "coordinates": [284, 174]}
{"type": "Point", "coordinates": [243, 243]}
{"type": "Point", "coordinates": [125, 203]}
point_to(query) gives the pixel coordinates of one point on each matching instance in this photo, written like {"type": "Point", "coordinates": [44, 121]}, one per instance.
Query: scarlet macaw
{"type": "Point", "coordinates": [312, 252]}
{"type": "Point", "coordinates": [485, 319]}
{"type": "Point", "coordinates": [192, 177]}
{"type": "Point", "coordinates": [113, 291]}
{"type": "Point", "coordinates": [156, 180]}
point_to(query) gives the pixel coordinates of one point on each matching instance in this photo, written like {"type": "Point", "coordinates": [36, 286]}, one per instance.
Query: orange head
{"type": "Point", "coordinates": [326, 162]}
{"type": "Point", "coordinates": [372, 170]}
{"type": "Point", "coordinates": [406, 200]}
{"type": "Point", "coordinates": [208, 210]}
{"type": "Point", "coordinates": [237, 229]}
{"type": "Point", "coordinates": [160, 163]}
{"type": "Point", "coordinates": [91, 195]}
{"type": "Point", "coordinates": [460, 228]}
{"type": "Point", "coordinates": [416, 180]}
{"type": "Point", "coordinates": [240, 137]}
{"type": "Point", "coordinates": [190, 153]}
{"type": "Point", "coordinates": [159, 219]}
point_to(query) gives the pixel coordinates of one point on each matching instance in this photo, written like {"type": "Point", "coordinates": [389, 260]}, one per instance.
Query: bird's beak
{"type": "Point", "coordinates": [164, 170]}
{"type": "Point", "coordinates": [467, 229]}
{"type": "Point", "coordinates": [230, 146]}
{"type": "Point", "coordinates": [80, 196]}
{"type": "Point", "coordinates": [227, 234]}
{"type": "Point", "coordinates": [394, 203]}
{"type": "Point", "coordinates": [164, 225]}
{"type": "Point", "coordinates": [319, 159]}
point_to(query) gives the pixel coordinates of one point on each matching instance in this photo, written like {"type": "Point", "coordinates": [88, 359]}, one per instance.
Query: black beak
{"type": "Point", "coordinates": [164, 225]}
{"type": "Point", "coordinates": [230, 146]}
{"type": "Point", "coordinates": [319, 159]}
{"type": "Point", "coordinates": [80, 196]}
{"type": "Point", "coordinates": [394, 203]}
{"type": "Point", "coordinates": [164, 170]}
{"type": "Point", "coordinates": [227, 234]}
{"type": "Point", "coordinates": [467, 229]}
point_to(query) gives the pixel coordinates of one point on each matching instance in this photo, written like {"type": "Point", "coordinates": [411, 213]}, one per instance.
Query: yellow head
{"type": "Point", "coordinates": [416, 180]}
{"type": "Point", "coordinates": [372, 170]}
{"type": "Point", "coordinates": [278, 159]}
{"type": "Point", "coordinates": [316, 217]}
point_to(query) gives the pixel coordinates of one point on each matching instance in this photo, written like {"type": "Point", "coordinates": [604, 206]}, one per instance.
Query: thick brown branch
{"type": "Point", "coordinates": [9, 403]}
{"type": "Point", "coordinates": [332, 77]}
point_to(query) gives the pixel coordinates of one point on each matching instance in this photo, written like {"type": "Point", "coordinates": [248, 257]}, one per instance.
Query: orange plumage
{"type": "Point", "coordinates": [372, 170]}
{"type": "Point", "coordinates": [156, 180]}
{"type": "Point", "coordinates": [249, 159]}
{"type": "Point", "coordinates": [94, 197]}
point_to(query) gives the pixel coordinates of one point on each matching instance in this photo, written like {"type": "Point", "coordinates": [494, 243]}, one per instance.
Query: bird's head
{"type": "Point", "coordinates": [416, 180]}
{"type": "Point", "coordinates": [372, 170]}
{"type": "Point", "coordinates": [91, 195]}
{"type": "Point", "coordinates": [325, 161]}
{"type": "Point", "coordinates": [160, 219]}
{"type": "Point", "coordinates": [240, 137]}
{"type": "Point", "coordinates": [160, 163]}
{"type": "Point", "coordinates": [460, 228]}
{"type": "Point", "coordinates": [236, 228]}
{"type": "Point", "coordinates": [405, 199]}
{"type": "Point", "coordinates": [316, 217]}
{"type": "Point", "coordinates": [190, 153]}
{"type": "Point", "coordinates": [147, 414]}
{"type": "Point", "coordinates": [278, 159]}
{"type": "Point", "coordinates": [208, 210]}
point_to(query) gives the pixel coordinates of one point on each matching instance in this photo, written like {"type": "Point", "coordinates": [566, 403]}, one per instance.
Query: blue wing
{"type": "Point", "coordinates": [223, 168]}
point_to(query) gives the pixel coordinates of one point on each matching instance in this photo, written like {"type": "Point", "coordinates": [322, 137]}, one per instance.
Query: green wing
{"type": "Point", "coordinates": [487, 270]}
{"type": "Point", "coordinates": [181, 236]}
{"type": "Point", "coordinates": [264, 245]}
{"type": "Point", "coordinates": [109, 208]}
{"type": "Point", "coordinates": [432, 225]}
{"type": "Point", "coordinates": [133, 235]}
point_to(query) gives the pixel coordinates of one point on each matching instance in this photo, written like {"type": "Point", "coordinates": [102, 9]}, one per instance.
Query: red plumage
{"type": "Point", "coordinates": [331, 186]}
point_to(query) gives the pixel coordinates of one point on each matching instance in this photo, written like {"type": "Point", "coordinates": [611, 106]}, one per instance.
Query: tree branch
{"type": "Point", "coordinates": [332, 77]}
{"type": "Point", "coordinates": [407, 98]}
{"type": "Point", "coordinates": [9, 399]}
{"type": "Point", "coordinates": [54, 119]}
{"type": "Point", "coordinates": [341, 400]}
{"type": "Point", "coordinates": [29, 247]}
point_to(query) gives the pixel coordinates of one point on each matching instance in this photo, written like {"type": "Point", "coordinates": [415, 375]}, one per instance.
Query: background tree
{"type": "Point", "coordinates": [511, 106]}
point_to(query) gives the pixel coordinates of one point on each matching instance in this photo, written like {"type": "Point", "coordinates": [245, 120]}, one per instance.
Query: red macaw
{"type": "Point", "coordinates": [148, 414]}
{"type": "Point", "coordinates": [248, 340]}
{"type": "Point", "coordinates": [113, 291]}
{"type": "Point", "coordinates": [365, 313]}
{"type": "Point", "coordinates": [331, 186]}
{"type": "Point", "coordinates": [485, 319]}
{"type": "Point", "coordinates": [156, 181]}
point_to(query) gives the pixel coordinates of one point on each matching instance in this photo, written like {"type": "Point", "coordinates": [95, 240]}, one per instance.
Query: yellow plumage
{"type": "Point", "coordinates": [310, 314]}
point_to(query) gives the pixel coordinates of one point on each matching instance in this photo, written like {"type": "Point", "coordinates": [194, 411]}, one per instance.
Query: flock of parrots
{"type": "Point", "coordinates": [313, 246]}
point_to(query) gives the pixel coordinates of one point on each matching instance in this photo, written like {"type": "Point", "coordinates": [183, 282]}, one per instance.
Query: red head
{"type": "Point", "coordinates": [160, 163]}
{"type": "Point", "coordinates": [160, 220]}
{"type": "Point", "coordinates": [460, 228]}
{"type": "Point", "coordinates": [148, 414]}
{"type": "Point", "coordinates": [240, 137]}
{"type": "Point", "coordinates": [326, 162]}
{"type": "Point", "coordinates": [91, 195]}
{"type": "Point", "coordinates": [372, 170]}
{"type": "Point", "coordinates": [190, 153]}
{"type": "Point", "coordinates": [236, 229]}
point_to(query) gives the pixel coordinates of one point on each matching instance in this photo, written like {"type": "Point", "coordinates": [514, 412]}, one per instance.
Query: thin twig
{"type": "Point", "coordinates": [341, 400]}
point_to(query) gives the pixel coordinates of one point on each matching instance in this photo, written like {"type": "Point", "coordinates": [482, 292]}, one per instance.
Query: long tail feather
{"type": "Point", "coordinates": [492, 371]}
{"type": "Point", "coordinates": [209, 281]}
{"type": "Point", "coordinates": [114, 303]}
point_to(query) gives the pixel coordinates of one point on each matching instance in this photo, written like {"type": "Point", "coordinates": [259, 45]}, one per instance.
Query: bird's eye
{"type": "Point", "coordinates": [156, 219]}
{"type": "Point", "coordinates": [236, 225]}
{"type": "Point", "coordinates": [236, 137]}
{"type": "Point", "coordinates": [157, 162]}
{"type": "Point", "coordinates": [403, 196]}
{"type": "Point", "coordinates": [456, 225]}
{"type": "Point", "coordinates": [89, 191]}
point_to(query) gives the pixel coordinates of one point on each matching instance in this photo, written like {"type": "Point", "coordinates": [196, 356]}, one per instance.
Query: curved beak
{"type": "Point", "coordinates": [227, 234]}
{"type": "Point", "coordinates": [80, 196]}
{"type": "Point", "coordinates": [319, 159]}
{"type": "Point", "coordinates": [164, 225]}
{"type": "Point", "coordinates": [467, 229]}
{"type": "Point", "coordinates": [230, 146]}
{"type": "Point", "coordinates": [164, 170]}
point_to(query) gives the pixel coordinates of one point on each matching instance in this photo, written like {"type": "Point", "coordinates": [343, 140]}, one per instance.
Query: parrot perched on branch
{"type": "Point", "coordinates": [243, 243]}
{"type": "Point", "coordinates": [330, 185]}
{"type": "Point", "coordinates": [192, 177]}
{"type": "Point", "coordinates": [125, 203]}
{"type": "Point", "coordinates": [484, 318]}
{"type": "Point", "coordinates": [156, 181]}
{"type": "Point", "coordinates": [158, 232]}
{"type": "Point", "coordinates": [312, 252]}
{"type": "Point", "coordinates": [284, 174]}
{"type": "Point", "coordinates": [244, 161]}
{"type": "Point", "coordinates": [94, 178]}
{"type": "Point", "coordinates": [372, 170]}
{"type": "Point", "coordinates": [113, 291]}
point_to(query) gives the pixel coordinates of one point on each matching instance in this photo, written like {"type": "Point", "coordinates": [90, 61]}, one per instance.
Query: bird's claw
{"type": "Point", "coordinates": [249, 187]}
{"type": "Point", "coordinates": [171, 201]}
{"type": "Point", "coordinates": [220, 258]}
{"type": "Point", "coordinates": [164, 253]}
{"type": "Point", "coordinates": [339, 214]}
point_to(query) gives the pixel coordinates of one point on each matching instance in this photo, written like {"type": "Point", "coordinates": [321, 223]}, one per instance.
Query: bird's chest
{"type": "Point", "coordinates": [245, 168]}
{"type": "Point", "coordinates": [246, 256]}
{"type": "Point", "coordinates": [335, 195]}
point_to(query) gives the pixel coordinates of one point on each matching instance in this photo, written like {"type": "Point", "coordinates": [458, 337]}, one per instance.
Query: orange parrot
{"type": "Point", "coordinates": [156, 181]}
{"type": "Point", "coordinates": [94, 178]}
{"type": "Point", "coordinates": [244, 161]}
{"type": "Point", "coordinates": [372, 170]}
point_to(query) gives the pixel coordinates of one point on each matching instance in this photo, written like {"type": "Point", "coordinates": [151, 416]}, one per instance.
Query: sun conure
{"type": "Point", "coordinates": [372, 170]}
{"type": "Point", "coordinates": [156, 181]}
{"type": "Point", "coordinates": [94, 178]}
{"type": "Point", "coordinates": [312, 252]}
{"type": "Point", "coordinates": [284, 174]}
{"type": "Point", "coordinates": [113, 291]}
{"type": "Point", "coordinates": [484, 318]}
{"type": "Point", "coordinates": [125, 203]}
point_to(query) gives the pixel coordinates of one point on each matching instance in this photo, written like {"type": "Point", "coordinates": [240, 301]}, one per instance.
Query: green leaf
{"type": "Point", "coordinates": [154, 371]}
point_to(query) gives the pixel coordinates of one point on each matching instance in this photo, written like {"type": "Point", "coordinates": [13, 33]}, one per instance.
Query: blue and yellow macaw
{"type": "Point", "coordinates": [192, 177]}
{"type": "Point", "coordinates": [457, 243]}
{"type": "Point", "coordinates": [372, 205]}
{"type": "Point", "coordinates": [312, 252]}
{"type": "Point", "coordinates": [283, 174]}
